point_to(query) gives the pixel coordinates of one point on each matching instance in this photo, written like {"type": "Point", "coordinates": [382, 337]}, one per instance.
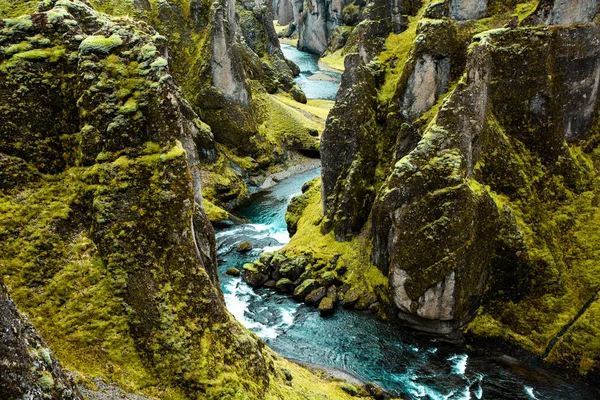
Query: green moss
{"type": "Point", "coordinates": [213, 212]}
{"type": "Point", "coordinates": [14, 8]}
{"type": "Point", "coordinates": [129, 107]}
{"type": "Point", "coordinates": [20, 23]}
{"type": "Point", "coordinates": [159, 63]}
{"type": "Point", "coordinates": [318, 108]}
{"type": "Point", "coordinates": [17, 48]}
{"type": "Point", "coordinates": [100, 44]}
{"type": "Point", "coordinates": [397, 49]}
{"type": "Point", "coordinates": [335, 60]}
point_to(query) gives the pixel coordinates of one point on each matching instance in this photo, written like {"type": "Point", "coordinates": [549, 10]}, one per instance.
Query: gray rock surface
{"type": "Point", "coordinates": [467, 9]}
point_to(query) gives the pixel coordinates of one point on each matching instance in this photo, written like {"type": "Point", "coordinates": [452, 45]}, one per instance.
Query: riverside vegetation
{"type": "Point", "coordinates": [458, 192]}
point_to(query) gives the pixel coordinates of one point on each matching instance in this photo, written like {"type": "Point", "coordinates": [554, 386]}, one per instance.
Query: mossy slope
{"type": "Point", "coordinates": [104, 241]}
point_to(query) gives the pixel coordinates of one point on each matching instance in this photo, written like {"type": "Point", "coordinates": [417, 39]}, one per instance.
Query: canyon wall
{"type": "Point", "coordinates": [461, 156]}
{"type": "Point", "coordinates": [104, 240]}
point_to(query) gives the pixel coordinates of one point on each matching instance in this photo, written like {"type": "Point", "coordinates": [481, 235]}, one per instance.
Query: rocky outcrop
{"type": "Point", "coordinates": [314, 26]}
{"type": "Point", "coordinates": [356, 147]}
{"type": "Point", "coordinates": [463, 153]}
{"type": "Point", "coordinates": [349, 170]}
{"type": "Point", "coordinates": [467, 9]}
{"type": "Point", "coordinates": [559, 12]}
{"type": "Point", "coordinates": [226, 58]}
{"type": "Point", "coordinates": [288, 11]}
{"type": "Point", "coordinates": [316, 282]}
{"type": "Point", "coordinates": [321, 19]}
{"type": "Point", "coordinates": [111, 247]}
{"type": "Point", "coordinates": [28, 369]}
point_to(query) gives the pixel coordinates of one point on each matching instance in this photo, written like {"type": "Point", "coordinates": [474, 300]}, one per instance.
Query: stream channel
{"type": "Point", "coordinates": [356, 342]}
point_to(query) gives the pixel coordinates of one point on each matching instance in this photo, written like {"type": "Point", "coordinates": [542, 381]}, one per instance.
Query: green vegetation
{"type": "Point", "coordinates": [15, 8]}
{"type": "Point", "coordinates": [335, 60]}
{"type": "Point", "coordinates": [354, 266]}
{"type": "Point", "coordinates": [100, 44]}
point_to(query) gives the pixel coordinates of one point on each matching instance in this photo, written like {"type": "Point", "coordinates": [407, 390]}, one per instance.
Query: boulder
{"type": "Point", "coordinates": [270, 283]}
{"type": "Point", "coordinates": [297, 94]}
{"type": "Point", "coordinates": [253, 275]}
{"type": "Point", "coordinates": [315, 296]}
{"type": "Point", "coordinates": [327, 305]}
{"type": "Point", "coordinates": [350, 297]}
{"type": "Point", "coordinates": [285, 285]}
{"type": "Point", "coordinates": [305, 288]}
{"type": "Point", "coordinates": [244, 247]}
{"type": "Point", "coordinates": [293, 267]}
{"type": "Point", "coordinates": [233, 272]}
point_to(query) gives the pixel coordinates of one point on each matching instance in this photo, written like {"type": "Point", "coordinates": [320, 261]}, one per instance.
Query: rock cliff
{"type": "Point", "coordinates": [225, 57]}
{"type": "Point", "coordinates": [457, 154]}
{"type": "Point", "coordinates": [326, 25]}
{"type": "Point", "coordinates": [104, 241]}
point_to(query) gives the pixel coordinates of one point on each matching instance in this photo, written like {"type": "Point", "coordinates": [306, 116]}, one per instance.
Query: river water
{"type": "Point", "coordinates": [397, 359]}
{"type": "Point", "coordinates": [318, 88]}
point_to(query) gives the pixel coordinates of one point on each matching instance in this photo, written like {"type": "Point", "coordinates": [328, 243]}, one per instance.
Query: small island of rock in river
{"type": "Point", "coordinates": [287, 200]}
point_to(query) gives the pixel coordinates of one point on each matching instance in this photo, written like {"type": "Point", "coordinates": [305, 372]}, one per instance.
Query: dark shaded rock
{"type": "Point", "coordinates": [329, 278]}
{"type": "Point", "coordinates": [233, 272]}
{"type": "Point", "coordinates": [298, 94]}
{"type": "Point", "coordinates": [244, 247]}
{"type": "Point", "coordinates": [293, 267]}
{"type": "Point", "coordinates": [254, 274]}
{"type": "Point", "coordinates": [288, 375]}
{"type": "Point", "coordinates": [315, 296]}
{"type": "Point", "coordinates": [277, 259]}
{"type": "Point", "coordinates": [28, 368]}
{"type": "Point", "coordinates": [305, 288]}
{"type": "Point", "coordinates": [266, 258]}
{"type": "Point", "coordinates": [350, 297]}
{"type": "Point", "coordinates": [365, 302]}
{"type": "Point", "coordinates": [327, 305]}
{"type": "Point", "coordinates": [285, 285]}
{"type": "Point", "coordinates": [270, 283]}
{"type": "Point", "coordinates": [349, 152]}
{"type": "Point", "coordinates": [295, 69]}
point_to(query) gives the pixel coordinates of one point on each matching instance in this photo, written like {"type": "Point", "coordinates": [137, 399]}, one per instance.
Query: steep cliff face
{"type": "Point", "coordinates": [226, 58]}
{"type": "Point", "coordinates": [104, 242]}
{"type": "Point", "coordinates": [288, 12]}
{"type": "Point", "coordinates": [327, 24]}
{"type": "Point", "coordinates": [471, 143]}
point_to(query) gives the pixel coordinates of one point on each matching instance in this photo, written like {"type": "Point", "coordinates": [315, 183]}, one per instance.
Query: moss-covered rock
{"type": "Point", "coordinates": [305, 288]}
{"type": "Point", "coordinates": [104, 242]}
{"type": "Point", "coordinates": [478, 154]}
{"type": "Point", "coordinates": [315, 296]}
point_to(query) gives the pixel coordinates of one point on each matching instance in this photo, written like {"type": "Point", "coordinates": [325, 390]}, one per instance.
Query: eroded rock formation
{"type": "Point", "coordinates": [28, 368]}
{"type": "Point", "coordinates": [462, 157]}
{"type": "Point", "coordinates": [104, 241]}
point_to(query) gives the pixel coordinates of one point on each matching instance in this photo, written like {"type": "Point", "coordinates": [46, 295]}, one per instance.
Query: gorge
{"type": "Point", "coordinates": [446, 247]}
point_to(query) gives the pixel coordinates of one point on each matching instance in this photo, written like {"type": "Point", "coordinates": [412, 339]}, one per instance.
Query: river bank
{"type": "Point", "coordinates": [298, 167]}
